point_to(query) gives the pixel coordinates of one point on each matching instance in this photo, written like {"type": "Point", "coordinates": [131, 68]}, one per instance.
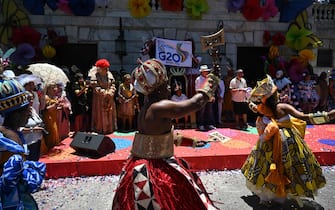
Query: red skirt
{"type": "Point", "coordinates": [160, 184]}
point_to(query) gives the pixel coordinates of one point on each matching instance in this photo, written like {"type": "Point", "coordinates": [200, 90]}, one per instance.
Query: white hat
{"type": "Point", "coordinates": [204, 68]}
{"type": "Point", "coordinates": [26, 78]}
{"type": "Point", "coordinates": [8, 74]}
{"type": "Point", "coordinates": [239, 70]}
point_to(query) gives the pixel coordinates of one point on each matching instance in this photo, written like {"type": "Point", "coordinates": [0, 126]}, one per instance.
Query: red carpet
{"type": "Point", "coordinates": [63, 161]}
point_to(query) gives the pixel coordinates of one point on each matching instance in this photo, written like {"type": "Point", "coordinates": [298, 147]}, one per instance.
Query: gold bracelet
{"type": "Point", "coordinates": [319, 117]}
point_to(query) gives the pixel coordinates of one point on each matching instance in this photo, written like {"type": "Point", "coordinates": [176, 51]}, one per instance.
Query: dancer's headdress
{"type": "Point", "coordinates": [263, 90]}
{"type": "Point", "coordinates": [149, 75]}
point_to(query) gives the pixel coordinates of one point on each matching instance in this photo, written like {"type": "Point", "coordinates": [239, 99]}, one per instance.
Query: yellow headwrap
{"type": "Point", "coordinates": [263, 90]}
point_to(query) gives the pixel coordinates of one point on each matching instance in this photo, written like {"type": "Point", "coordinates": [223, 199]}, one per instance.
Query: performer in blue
{"type": "Point", "coordinates": [19, 178]}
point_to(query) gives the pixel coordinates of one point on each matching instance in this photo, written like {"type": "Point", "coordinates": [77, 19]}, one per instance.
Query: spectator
{"type": "Point", "coordinates": [179, 96]}
{"type": "Point", "coordinates": [50, 115]}
{"type": "Point", "coordinates": [218, 103]}
{"type": "Point", "coordinates": [239, 88]}
{"type": "Point", "coordinates": [308, 96]}
{"type": "Point", "coordinates": [64, 112]}
{"type": "Point", "coordinates": [284, 86]}
{"type": "Point", "coordinates": [81, 107]}
{"type": "Point", "coordinates": [33, 131]}
{"type": "Point", "coordinates": [205, 114]}
{"type": "Point", "coordinates": [104, 118]}
{"type": "Point", "coordinates": [227, 109]}
{"type": "Point", "coordinates": [128, 103]}
{"type": "Point", "coordinates": [31, 83]}
{"type": "Point", "coordinates": [322, 90]}
{"type": "Point", "coordinates": [331, 90]}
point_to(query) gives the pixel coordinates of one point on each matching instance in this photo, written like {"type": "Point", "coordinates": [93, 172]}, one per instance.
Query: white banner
{"type": "Point", "coordinates": [174, 53]}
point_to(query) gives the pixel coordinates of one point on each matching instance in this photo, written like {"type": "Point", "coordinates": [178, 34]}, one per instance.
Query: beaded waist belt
{"type": "Point", "coordinates": [153, 146]}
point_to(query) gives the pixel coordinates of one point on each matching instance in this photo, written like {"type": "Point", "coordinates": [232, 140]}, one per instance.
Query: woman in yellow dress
{"type": "Point", "coordinates": [281, 165]}
{"type": "Point", "coordinates": [50, 115]}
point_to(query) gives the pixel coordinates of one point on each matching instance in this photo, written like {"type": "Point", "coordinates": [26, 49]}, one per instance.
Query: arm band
{"type": "Point", "coordinates": [318, 117]}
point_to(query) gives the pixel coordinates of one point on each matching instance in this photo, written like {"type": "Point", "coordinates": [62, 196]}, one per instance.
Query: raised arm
{"type": "Point", "coordinates": [173, 109]}
{"type": "Point", "coordinates": [315, 118]}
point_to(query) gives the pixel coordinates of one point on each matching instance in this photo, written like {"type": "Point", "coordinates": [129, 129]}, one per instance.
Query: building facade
{"type": "Point", "coordinates": [94, 36]}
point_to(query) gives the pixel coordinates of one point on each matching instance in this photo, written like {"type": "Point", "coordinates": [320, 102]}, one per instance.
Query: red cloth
{"type": "Point", "coordinates": [102, 63]}
{"type": "Point", "coordinates": [167, 183]}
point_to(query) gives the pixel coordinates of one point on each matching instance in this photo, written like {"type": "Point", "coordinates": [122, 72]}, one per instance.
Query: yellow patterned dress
{"type": "Point", "coordinates": [298, 172]}
{"type": "Point", "coordinates": [50, 119]}
{"type": "Point", "coordinates": [127, 100]}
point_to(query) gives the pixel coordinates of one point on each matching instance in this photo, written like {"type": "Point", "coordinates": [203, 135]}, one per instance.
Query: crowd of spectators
{"type": "Point", "coordinates": [93, 101]}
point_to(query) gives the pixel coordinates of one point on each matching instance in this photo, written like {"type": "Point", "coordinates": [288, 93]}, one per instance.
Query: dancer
{"type": "Point", "coordinates": [152, 177]}
{"type": "Point", "coordinates": [19, 178]}
{"type": "Point", "coordinates": [281, 165]}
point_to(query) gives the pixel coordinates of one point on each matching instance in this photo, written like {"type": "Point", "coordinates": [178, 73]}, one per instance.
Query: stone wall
{"type": "Point", "coordinates": [102, 28]}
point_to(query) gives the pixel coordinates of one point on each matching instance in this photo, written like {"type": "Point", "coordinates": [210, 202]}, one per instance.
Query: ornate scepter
{"type": "Point", "coordinates": [212, 43]}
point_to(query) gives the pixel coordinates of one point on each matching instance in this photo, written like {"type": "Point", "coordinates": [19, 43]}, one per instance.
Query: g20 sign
{"type": "Point", "coordinates": [174, 53]}
{"type": "Point", "coordinates": [169, 57]}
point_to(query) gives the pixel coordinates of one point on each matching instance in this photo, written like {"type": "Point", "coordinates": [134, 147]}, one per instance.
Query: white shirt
{"type": "Point", "coordinates": [235, 83]}
{"type": "Point", "coordinates": [199, 81]}
{"type": "Point", "coordinates": [182, 97]}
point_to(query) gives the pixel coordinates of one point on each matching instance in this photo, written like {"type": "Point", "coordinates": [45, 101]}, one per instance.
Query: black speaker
{"type": "Point", "coordinates": [95, 145]}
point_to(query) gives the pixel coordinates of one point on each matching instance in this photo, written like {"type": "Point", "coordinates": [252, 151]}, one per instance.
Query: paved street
{"type": "Point", "coordinates": [227, 188]}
